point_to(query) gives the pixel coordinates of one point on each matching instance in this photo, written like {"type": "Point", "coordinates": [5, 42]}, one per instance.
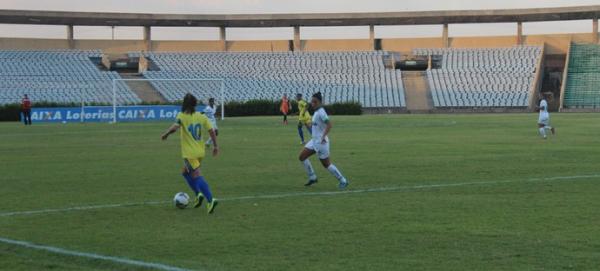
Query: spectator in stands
{"type": "Point", "coordinates": [285, 108]}
{"type": "Point", "coordinates": [26, 110]}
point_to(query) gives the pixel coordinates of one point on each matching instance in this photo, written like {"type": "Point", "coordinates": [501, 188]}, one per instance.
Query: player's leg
{"type": "Point", "coordinates": [542, 130]}
{"type": "Point", "coordinates": [28, 117]}
{"type": "Point", "coordinates": [187, 174]}
{"type": "Point", "coordinates": [300, 132]}
{"type": "Point", "coordinates": [323, 153]}
{"type": "Point", "coordinates": [209, 141]}
{"type": "Point", "coordinates": [310, 171]}
{"type": "Point", "coordinates": [202, 185]}
{"type": "Point", "coordinates": [551, 128]}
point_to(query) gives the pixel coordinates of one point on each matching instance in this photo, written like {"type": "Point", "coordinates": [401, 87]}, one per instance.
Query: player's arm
{"type": "Point", "coordinates": [539, 108]}
{"type": "Point", "coordinates": [327, 128]}
{"type": "Point", "coordinates": [300, 110]}
{"type": "Point", "coordinates": [169, 131]}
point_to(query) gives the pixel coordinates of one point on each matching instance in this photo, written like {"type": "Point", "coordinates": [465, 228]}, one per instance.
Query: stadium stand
{"type": "Point", "coordinates": [482, 77]}
{"type": "Point", "coordinates": [341, 76]}
{"type": "Point", "coordinates": [61, 76]}
{"type": "Point", "coordinates": [583, 78]}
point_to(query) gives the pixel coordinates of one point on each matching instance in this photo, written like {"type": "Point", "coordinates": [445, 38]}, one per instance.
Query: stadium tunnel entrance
{"type": "Point", "coordinates": [409, 62]}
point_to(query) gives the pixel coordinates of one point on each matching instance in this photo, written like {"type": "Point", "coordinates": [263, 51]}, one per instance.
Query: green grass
{"type": "Point", "coordinates": [518, 225]}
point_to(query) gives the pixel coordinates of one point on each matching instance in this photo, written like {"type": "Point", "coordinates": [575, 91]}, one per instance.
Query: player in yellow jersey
{"type": "Point", "coordinates": [192, 148]}
{"type": "Point", "coordinates": [304, 118]}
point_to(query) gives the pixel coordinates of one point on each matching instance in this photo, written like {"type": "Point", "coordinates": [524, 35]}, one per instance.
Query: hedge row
{"type": "Point", "coordinates": [271, 108]}
{"type": "Point", "coordinates": [11, 112]}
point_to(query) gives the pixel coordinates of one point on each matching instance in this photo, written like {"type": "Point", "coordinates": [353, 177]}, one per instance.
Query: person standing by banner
{"type": "Point", "coordinates": [26, 110]}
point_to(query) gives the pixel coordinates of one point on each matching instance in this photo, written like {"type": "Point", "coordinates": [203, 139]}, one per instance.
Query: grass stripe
{"type": "Point", "coordinates": [308, 194]}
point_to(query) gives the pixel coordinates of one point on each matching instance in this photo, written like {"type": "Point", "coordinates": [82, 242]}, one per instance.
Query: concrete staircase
{"type": "Point", "coordinates": [143, 89]}
{"type": "Point", "coordinates": [416, 89]}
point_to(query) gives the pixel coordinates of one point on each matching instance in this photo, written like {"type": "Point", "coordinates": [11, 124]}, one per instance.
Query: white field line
{"type": "Point", "coordinates": [120, 260]}
{"type": "Point", "coordinates": [81, 208]}
{"type": "Point", "coordinates": [308, 194]}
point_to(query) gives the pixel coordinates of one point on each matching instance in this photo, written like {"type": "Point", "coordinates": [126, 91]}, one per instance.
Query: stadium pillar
{"type": "Point", "coordinates": [372, 36]}
{"type": "Point", "coordinates": [70, 36]}
{"type": "Point", "coordinates": [445, 40]}
{"type": "Point", "coordinates": [223, 38]}
{"type": "Point", "coordinates": [147, 38]}
{"type": "Point", "coordinates": [297, 41]}
{"type": "Point", "coordinates": [595, 30]}
{"type": "Point", "coordinates": [519, 33]}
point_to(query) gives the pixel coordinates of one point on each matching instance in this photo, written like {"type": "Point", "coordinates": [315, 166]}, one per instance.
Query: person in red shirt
{"type": "Point", "coordinates": [26, 108]}
{"type": "Point", "coordinates": [285, 108]}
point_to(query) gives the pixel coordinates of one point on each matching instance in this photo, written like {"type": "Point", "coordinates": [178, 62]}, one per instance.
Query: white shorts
{"type": "Point", "coordinates": [544, 121]}
{"type": "Point", "coordinates": [322, 150]}
{"type": "Point", "coordinates": [214, 124]}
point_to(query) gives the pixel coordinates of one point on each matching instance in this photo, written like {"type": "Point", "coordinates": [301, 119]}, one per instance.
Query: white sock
{"type": "Point", "coordinates": [209, 141]}
{"type": "Point", "coordinates": [543, 132]}
{"type": "Point", "coordinates": [309, 169]}
{"type": "Point", "coordinates": [335, 172]}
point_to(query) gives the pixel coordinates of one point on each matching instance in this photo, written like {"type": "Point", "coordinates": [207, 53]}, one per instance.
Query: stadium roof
{"type": "Point", "coordinates": [310, 19]}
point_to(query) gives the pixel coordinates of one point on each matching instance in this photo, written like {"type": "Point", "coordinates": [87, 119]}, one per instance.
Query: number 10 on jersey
{"type": "Point", "coordinates": [194, 130]}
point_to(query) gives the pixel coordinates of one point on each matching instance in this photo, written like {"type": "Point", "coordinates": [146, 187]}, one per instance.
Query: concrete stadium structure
{"type": "Point", "coordinates": [555, 47]}
{"type": "Point", "coordinates": [519, 16]}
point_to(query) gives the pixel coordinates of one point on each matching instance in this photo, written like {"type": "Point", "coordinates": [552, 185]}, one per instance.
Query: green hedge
{"type": "Point", "coordinates": [271, 108]}
{"type": "Point", "coordinates": [352, 108]}
{"type": "Point", "coordinates": [11, 112]}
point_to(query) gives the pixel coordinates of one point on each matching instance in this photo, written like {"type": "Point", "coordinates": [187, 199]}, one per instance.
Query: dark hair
{"type": "Point", "coordinates": [211, 100]}
{"type": "Point", "coordinates": [299, 95]}
{"type": "Point", "coordinates": [189, 104]}
{"type": "Point", "coordinates": [318, 96]}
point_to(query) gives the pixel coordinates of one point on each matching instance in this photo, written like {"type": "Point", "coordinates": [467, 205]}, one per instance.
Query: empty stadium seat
{"type": "Point", "coordinates": [62, 76]}
{"type": "Point", "coordinates": [583, 77]}
{"type": "Point", "coordinates": [482, 77]}
{"type": "Point", "coordinates": [340, 76]}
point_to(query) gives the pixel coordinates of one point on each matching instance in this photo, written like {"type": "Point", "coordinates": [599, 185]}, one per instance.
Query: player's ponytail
{"type": "Point", "coordinates": [189, 104]}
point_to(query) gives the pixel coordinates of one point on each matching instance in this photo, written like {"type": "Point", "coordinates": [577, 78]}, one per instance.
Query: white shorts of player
{"type": "Point", "coordinates": [214, 125]}
{"type": "Point", "coordinates": [544, 120]}
{"type": "Point", "coordinates": [321, 149]}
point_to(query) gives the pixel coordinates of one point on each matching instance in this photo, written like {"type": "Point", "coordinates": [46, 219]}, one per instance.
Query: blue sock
{"type": "Point", "coordinates": [191, 182]}
{"type": "Point", "coordinates": [301, 133]}
{"type": "Point", "coordinates": [201, 185]}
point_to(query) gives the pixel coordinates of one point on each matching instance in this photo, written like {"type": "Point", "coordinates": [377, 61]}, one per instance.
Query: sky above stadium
{"type": "Point", "coordinates": [286, 6]}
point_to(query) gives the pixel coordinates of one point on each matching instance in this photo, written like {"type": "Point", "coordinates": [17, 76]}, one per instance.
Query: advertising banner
{"type": "Point", "coordinates": [105, 113]}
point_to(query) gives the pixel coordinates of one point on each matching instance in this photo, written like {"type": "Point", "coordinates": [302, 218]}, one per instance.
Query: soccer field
{"type": "Point", "coordinates": [427, 192]}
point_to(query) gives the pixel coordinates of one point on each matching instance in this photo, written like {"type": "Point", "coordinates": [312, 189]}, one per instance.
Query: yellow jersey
{"type": "Point", "coordinates": [303, 114]}
{"type": "Point", "coordinates": [192, 128]}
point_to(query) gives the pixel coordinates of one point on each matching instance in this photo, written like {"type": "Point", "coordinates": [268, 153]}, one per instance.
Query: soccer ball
{"type": "Point", "coordinates": [181, 200]}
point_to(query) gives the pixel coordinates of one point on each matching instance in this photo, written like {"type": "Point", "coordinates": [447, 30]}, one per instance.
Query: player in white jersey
{"type": "Point", "coordinates": [544, 118]}
{"type": "Point", "coordinates": [319, 144]}
{"type": "Point", "coordinates": [209, 111]}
